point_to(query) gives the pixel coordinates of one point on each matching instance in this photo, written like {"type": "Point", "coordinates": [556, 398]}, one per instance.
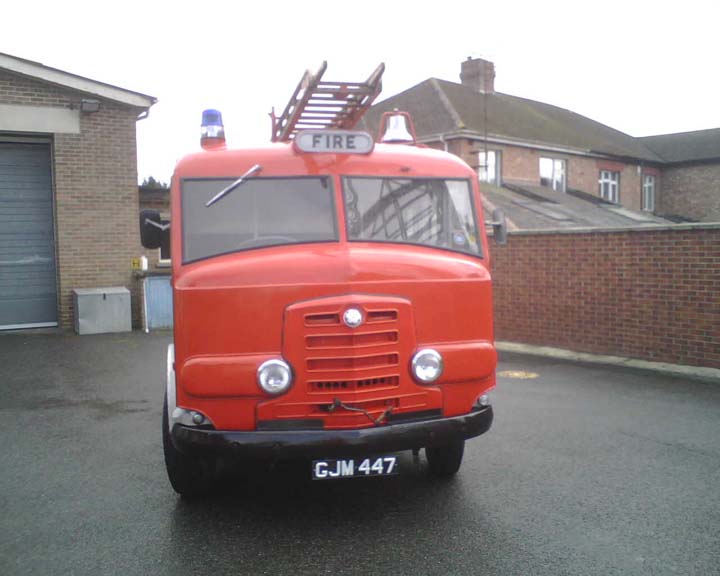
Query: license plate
{"type": "Point", "coordinates": [354, 467]}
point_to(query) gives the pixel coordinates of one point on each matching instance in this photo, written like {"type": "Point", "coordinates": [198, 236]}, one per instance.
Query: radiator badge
{"type": "Point", "coordinates": [352, 317]}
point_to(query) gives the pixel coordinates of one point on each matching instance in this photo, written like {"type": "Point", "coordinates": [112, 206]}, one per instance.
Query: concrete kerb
{"type": "Point", "coordinates": [674, 369]}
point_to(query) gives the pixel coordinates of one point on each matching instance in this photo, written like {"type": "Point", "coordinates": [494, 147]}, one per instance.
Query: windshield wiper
{"type": "Point", "coordinates": [254, 170]}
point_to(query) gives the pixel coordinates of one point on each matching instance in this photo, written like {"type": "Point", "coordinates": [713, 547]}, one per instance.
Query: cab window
{"type": "Point", "coordinates": [424, 211]}
{"type": "Point", "coordinates": [262, 212]}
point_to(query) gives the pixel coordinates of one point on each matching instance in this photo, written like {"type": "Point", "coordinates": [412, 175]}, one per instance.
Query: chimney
{"type": "Point", "coordinates": [478, 74]}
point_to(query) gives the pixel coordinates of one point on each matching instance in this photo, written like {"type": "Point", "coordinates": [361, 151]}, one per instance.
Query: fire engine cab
{"type": "Point", "coordinates": [332, 296]}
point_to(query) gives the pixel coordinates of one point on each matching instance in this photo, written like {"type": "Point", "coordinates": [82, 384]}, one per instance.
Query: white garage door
{"type": "Point", "coordinates": [28, 288]}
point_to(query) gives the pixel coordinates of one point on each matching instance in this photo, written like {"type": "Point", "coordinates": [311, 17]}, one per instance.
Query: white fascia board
{"type": "Point", "coordinates": [493, 139]}
{"type": "Point", "coordinates": [73, 82]}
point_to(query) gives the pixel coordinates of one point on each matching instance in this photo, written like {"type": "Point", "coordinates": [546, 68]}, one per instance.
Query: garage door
{"type": "Point", "coordinates": [28, 292]}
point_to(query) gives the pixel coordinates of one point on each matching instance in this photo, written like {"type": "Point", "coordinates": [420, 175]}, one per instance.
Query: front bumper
{"type": "Point", "coordinates": [333, 443]}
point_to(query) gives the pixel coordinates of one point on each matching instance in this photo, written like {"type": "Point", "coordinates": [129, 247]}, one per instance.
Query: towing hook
{"type": "Point", "coordinates": [337, 403]}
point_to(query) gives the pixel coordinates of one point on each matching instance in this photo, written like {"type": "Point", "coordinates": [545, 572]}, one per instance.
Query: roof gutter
{"type": "Point", "coordinates": [527, 144]}
{"type": "Point", "coordinates": [507, 141]}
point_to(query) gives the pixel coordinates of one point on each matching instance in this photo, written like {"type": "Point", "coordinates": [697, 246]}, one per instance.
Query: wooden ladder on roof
{"type": "Point", "coordinates": [320, 105]}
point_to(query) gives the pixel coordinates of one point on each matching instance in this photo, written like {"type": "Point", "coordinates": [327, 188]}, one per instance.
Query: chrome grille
{"type": "Point", "coordinates": [361, 358]}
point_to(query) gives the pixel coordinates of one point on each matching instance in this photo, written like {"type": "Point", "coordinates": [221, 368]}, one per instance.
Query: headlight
{"type": "Point", "coordinates": [274, 376]}
{"type": "Point", "coordinates": [427, 366]}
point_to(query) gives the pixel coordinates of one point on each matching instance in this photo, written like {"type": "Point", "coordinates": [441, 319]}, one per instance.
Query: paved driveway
{"type": "Point", "coordinates": [587, 470]}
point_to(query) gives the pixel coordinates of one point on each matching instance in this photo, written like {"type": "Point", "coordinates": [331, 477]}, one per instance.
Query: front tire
{"type": "Point", "coordinates": [444, 460]}
{"type": "Point", "coordinates": [189, 476]}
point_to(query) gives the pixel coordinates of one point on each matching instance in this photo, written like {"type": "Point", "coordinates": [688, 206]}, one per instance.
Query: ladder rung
{"type": "Point", "coordinates": [312, 104]}
{"type": "Point", "coordinates": [335, 98]}
{"type": "Point", "coordinates": [314, 123]}
{"type": "Point", "coordinates": [339, 90]}
{"type": "Point", "coordinates": [349, 85]}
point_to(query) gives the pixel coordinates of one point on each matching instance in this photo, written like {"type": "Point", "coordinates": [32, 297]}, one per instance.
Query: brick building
{"type": "Point", "coordinates": [519, 142]}
{"type": "Point", "coordinates": [691, 173]}
{"type": "Point", "coordinates": [68, 190]}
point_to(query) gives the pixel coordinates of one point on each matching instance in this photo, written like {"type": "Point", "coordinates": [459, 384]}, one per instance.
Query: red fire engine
{"type": "Point", "coordinates": [332, 296]}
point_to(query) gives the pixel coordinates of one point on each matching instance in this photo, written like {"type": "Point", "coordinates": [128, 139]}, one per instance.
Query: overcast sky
{"type": "Point", "coordinates": [640, 67]}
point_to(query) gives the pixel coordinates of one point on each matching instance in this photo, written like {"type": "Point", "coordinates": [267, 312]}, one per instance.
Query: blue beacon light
{"type": "Point", "coordinates": [212, 131]}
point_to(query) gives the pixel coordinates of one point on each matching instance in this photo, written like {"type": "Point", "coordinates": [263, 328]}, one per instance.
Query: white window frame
{"type": "Point", "coordinates": [609, 183]}
{"type": "Point", "coordinates": [648, 192]}
{"type": "Point", "coordinates": [558, 175]}
{"type": "Point", "coordinates": [489, 171]}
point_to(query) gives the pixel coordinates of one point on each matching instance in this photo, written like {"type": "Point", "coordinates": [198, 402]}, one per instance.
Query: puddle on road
{"type": "Point", "coordinates": [102, 409]}
{"type": "Point", "coordinates": [518, 374]}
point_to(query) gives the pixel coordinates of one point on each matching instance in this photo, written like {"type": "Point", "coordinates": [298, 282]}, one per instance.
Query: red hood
{"type": "Point", "coordinates": [235, 303]}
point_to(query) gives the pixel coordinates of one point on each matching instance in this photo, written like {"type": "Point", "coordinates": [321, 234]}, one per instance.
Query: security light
{"type": "Point", "coordinates": [89, 105]}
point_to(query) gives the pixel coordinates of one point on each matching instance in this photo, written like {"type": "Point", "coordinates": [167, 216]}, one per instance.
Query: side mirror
{"type": "Point", "coordinates": [153, 229]}
{"type": "Point", "coordinates": [499, 226]}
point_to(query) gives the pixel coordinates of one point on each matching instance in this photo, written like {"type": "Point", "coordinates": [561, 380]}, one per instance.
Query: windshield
{"type": "Point", "coordinates": [424, 211]}
{"type": "Point", "coordinates": [261, 212]}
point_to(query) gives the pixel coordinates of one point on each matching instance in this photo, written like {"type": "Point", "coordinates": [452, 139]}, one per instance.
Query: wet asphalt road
{"type": "Point", "coordinates": [587, 470]}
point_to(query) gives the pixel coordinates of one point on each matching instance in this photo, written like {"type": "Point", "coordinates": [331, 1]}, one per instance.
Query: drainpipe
{"type": "Point", "coordinates": [445, 144]}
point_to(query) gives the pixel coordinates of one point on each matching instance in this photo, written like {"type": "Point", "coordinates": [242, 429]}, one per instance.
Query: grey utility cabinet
{"type": "Point", "coordinates": [99, 310]}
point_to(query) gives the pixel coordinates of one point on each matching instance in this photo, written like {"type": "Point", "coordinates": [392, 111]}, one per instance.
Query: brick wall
{"type": "Point", "coordinates": [692, 191]}
{"type": "Point", "coordinates": [631, 187]}
{"type": "Point", "coordinates": [644, 294]}
{"type": "Point", "coordinates": [96, 194]}
{"type": "Point", "coordinates": [583, 174]}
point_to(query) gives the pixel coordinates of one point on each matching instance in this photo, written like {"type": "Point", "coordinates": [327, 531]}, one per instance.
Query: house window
{"type": "Point", "coordinates": [164, 250]}
{"type": "Point", "coordinates": [648, 193]}
{"type": "Point", "coordinates": [552, 173]}
{"type": "Point", "coordinates": [489, 167]}
{"type": "Point", "coordinates": [610, 186]}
